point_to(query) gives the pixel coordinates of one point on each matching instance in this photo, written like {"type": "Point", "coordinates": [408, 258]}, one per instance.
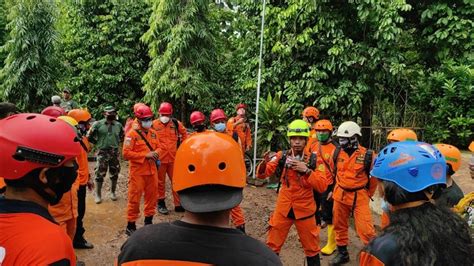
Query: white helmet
{"type": "Point", "coordinates": [56, 99]}
{"type": "Point", "coordinates": [348, 129]}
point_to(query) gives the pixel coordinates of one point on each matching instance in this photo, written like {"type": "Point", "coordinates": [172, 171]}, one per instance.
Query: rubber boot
{"type": "Point", "coordinates": [131, 228]}
{"type": "Point", "coordinates": [342, 256]}
{"type": "Point", "coordinates": [313, 261]}
{"type": "Point", "coordinates": [98, 192]}
{"type": "Point", "coordinates": [148, 220]}
{"type": "Point", "coordinates": [331, 244]}
{"type": "Point", "coordinates": [162, 207]}
{"type": "Point", "coordinates": [113, 187]}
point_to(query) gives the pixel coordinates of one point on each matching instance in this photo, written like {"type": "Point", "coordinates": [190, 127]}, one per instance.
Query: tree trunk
{"type": "Point", "coordinates": [367, 120]}
{"type": "Point", "coordinates": [183, 109]}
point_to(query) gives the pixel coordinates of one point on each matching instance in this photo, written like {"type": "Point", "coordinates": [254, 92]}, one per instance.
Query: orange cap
{"type": "Point", "coordinates": [451, 154]}
{"type": "Point", "coordinates": [209, 172]}
{"type": "Point", "coordinates": [323, 124]}
{"type": "Point", "coordinates": [311, 111]}
{"type": "Point", "coordinates": [80, 115]}
{"type": "Point", "coordinates": [402, 134]}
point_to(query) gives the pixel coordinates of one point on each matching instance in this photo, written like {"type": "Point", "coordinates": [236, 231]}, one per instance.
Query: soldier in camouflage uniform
{"type": "Point", "coordinates": [106, 135]}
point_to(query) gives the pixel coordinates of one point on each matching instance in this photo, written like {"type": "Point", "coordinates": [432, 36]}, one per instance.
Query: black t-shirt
{"type": "Point", "coordinates": [450, 196]}
{"type": "Point", "coordinates": [383, 250]}
{"type": "Point", "coordinates": [178, 241]}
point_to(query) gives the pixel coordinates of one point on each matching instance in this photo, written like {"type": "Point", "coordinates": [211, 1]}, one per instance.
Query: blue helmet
{"type": "Point", "coordinates": [412, 165]}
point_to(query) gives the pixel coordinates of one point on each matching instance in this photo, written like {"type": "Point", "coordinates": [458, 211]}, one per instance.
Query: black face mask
{"type": "Point", "coordinates": [60, 181]}
{"type": "Point", "coordinates": [199, 128]}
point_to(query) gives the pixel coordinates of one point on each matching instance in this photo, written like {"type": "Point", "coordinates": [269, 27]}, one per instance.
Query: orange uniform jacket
{"type": "Point", "coordinates": [167, 139]}
{"type": "Point", "coordinates": [351, 176]}
{"type": "Point", "coordinates": [242, 130]}
{"type": "Point", "coordinates": [298, 193]}
{"type": "Point", "coordinates": [2, 183]}
{"type": "Point", "coordinates": [325, 154]}
{"type": "Point", "coordinates": [66, 209]}
{"type": "Point", "coordinates": [29, 236]}
{"type": "Point", "coordinates": [83, 163]}
{"type": "Point", "coordinates": [135, 150]}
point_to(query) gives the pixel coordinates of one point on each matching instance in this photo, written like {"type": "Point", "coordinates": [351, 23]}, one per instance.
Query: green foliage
{"type": "Point", "coordinates": [3, 32]}
{"type": "Point", "coordinates": [182, 50]}
{"type": "Point", "coordinates": [447, 96]}
{"type": "Point", "coordinates": [29, 74]}
{"type": "Point", "coordinates": [103, 56]}
{"type": "Point", "coordinates": [274, 119]}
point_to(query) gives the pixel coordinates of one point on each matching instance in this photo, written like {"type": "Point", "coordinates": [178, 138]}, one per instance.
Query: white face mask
{"type": "Point", "coordinates": [164, 119]}
{"type": "Point", "coordinates": [147, 124]}
{"type": "Point", "coordinates": [219, 127]}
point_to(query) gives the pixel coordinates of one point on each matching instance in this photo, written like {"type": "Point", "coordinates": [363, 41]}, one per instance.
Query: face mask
{"type": "Point", "coordinates": [343, 142]}
{"type": "Point", "coordinates": [199, 128]}
{"type": "Point", "coordinates": [147, 124]}
{"type": "Point", "coordinates": [60, 181]}
{"type": "Point", "coordinates": [219, 127]}
{"type": "Point", "coordinates": [82, 129]}
{"type": "Point", "coordinates": [349, 143]}
{"type": "Point", "coordinates": [164, 119]}
{"type": "Point", "coordinates": [323, 137]}
{"type": "Point", "coordinates": [111, 117]}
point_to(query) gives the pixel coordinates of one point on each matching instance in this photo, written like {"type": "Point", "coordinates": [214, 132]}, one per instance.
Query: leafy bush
{"type": "Point", "coordinates": [274, 118]}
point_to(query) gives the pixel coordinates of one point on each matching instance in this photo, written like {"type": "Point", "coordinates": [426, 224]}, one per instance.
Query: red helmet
{"type": "Point", "coordinates": [197, 117]}
{"type": "Point", "coordinates": [135, 106]}
{"type": "Point", "coordinates": [217, 114]}
{"type": "Point", "coordinates": [53, 111]}
{"type": "Point", "coordinates": [166, 108]}
{"type": "Point", "coordinates": [240, 105]}
{"type": "Point", "coordinates": [143, 111]}
{"type": "Point", "coordinates": [52, 143]}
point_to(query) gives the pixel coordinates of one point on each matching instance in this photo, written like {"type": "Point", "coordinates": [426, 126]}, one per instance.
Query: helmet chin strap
{"type": "Point", "coordinates": [413, 204]}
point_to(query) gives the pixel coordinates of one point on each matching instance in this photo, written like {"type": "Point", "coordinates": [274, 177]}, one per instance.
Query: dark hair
{"type": "Point", "coordinates": [6, 108]}
{"type": "Point", "coordinates": [427, 234]}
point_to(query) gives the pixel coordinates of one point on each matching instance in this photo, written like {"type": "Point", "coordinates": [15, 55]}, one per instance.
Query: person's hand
{"type": "Point", "coordinates": [267, 156]}
{"type": "Point", "coordinates": [299, 166]}
{"type": "Point", "coordinates": [90, 185]}
{"type": "Point", "coordinates": [152, 155]}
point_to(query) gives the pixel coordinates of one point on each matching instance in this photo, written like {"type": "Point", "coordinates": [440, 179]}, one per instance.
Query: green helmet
{"type": "Point", "coordinates": [298, 128]}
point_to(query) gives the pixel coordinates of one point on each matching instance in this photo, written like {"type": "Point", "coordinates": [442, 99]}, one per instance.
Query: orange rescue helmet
{"type": "Point", "coordinates": [80, 115]}
{"type": "Point", "coordinates": [136, 106]}
{"type": "Point", "coordinates": [311, 111]}
{"type": "Point", "coordinates": [451, 154]}
{"type": "Point", "coordinates": [209, 173]}
{"type": "Point", "coordinates": [323, 125]}
{"type": "Point", "coordinates": [197, 117]}
{"type": "Point", "coordinates": [402, 134]}
{"type": "Point", "coordinates": [217, 114]}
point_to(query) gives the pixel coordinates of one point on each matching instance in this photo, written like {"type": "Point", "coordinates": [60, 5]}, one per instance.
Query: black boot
{"type": "Point", "coordinates": [148, 220]}
{"type": "Point", "coordinates": [313, 261]}
{"type": "Point", "coordinates": [81, 243]}
{"type": "Point", "coordinates": [131, 228]}
{"type": "Point", "coordinates": [241, 228]}
{"type": "Point", "coordinates": [162, 207]}
{"type": "Point", "coordinates": [342, 256]}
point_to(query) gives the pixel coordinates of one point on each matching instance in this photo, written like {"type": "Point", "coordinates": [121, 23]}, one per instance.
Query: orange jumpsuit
{"type": "Point", "coordinates": [351, 194]}
{"type": "Point", "coordinates": [295, 205]}
{"type": "Point", "coordinates": [242, 130]}
{"type": "Point", "coordinates": [142, 178]}
{"type": "Point", "coordinates": [65, 212]}
{"type": "Point", "coordinates": [2, 183]}
{"type": "Point", "coordinates": [167, 145]}
{"type": "Point", "coordinates": [83, 163]}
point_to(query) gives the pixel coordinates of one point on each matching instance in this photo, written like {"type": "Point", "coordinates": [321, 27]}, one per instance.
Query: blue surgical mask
{"type": "Point", "coordinates": [219, 127]}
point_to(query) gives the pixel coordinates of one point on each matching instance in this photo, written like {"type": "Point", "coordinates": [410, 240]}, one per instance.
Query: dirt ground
{"type": "Point", "coordinates": [105, 223]}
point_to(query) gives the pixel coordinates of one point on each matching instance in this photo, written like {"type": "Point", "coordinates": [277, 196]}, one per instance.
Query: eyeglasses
{"type": "Point", "coordinates": [298, 130]}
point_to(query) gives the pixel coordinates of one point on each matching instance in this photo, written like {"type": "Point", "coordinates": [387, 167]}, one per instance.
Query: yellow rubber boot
{"type": "Point", "coordinates": [331, 244]}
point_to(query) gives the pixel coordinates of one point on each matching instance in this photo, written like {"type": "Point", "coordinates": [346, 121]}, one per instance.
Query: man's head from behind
{"type": "Point", "coordinates": [209, 173]}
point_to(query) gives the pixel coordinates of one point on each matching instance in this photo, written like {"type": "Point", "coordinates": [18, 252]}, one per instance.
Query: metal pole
{"type": "Point", "coordinates": [259, 77]}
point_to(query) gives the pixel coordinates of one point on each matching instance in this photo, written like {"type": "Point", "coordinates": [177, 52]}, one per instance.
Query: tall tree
{"type": "Point", "coordinates": [103, 56]}
{"type": "Point", "coordinates": [29, 75]}
{"type": "Point", "coordinates": [3, 32]}
{"type": "Point", "coordinates": [181, 45]}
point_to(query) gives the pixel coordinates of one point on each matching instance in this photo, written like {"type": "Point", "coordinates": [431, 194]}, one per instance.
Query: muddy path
{"type": "Point", "coordinates": [105, 223]}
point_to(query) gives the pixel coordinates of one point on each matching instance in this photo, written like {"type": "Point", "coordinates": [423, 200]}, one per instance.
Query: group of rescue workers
{"type": "Point", "coordinates": [325, 177]}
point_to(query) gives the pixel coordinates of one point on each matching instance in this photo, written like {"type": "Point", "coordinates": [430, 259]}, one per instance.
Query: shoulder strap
{"type": "Point", "coordinates": [281, 163]}
{"type": "Point", "coordinates": [334, 157]}
{"type": "Point", "coordinates": [176, 129]}
{"type": "Point", "coordinates": [144, 139]}
{"type": "Point", "coordinates": [312, 161]}
{"type": "Point", "coordinates": [368, 161]}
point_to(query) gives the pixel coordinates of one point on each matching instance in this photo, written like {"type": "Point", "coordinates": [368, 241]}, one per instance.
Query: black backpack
{"type": "Point", "coordinates": [176, 128]}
